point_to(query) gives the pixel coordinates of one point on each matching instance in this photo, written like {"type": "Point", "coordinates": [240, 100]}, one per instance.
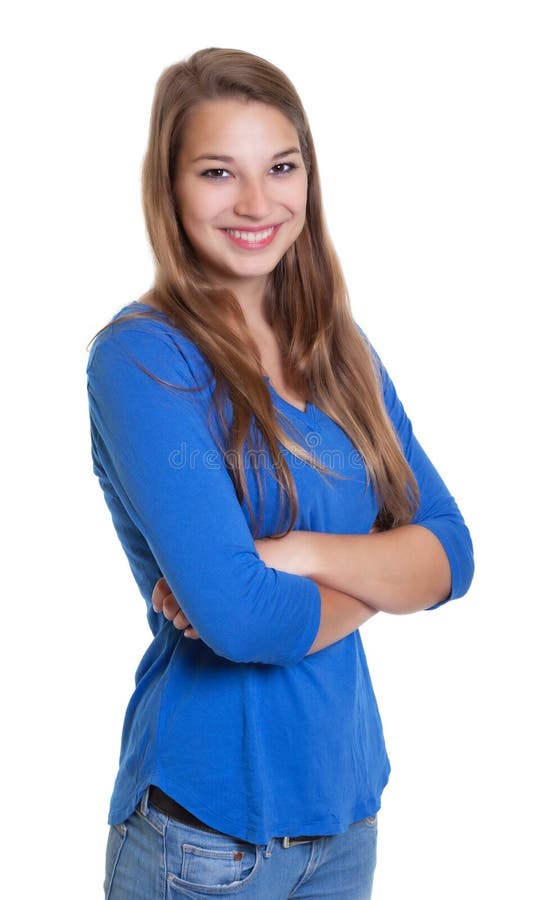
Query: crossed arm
{"type": "Point", "coordinates": [140, 438]}
{"type": "Point", "coordinates": [399, 571]}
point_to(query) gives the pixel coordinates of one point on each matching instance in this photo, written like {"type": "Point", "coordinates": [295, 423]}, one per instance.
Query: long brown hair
{"type": "Point", "coordinates": [306, 300]}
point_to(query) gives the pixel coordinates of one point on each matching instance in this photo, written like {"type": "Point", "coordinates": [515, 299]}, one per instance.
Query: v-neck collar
{"type": "Point", "coordinates": [302, 412]}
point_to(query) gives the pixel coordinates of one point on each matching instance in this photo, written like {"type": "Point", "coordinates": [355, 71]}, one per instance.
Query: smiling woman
{"type": "Point", "coordinates": [256, 203]}
{"type": "Point", "coordinates": [215, 403]}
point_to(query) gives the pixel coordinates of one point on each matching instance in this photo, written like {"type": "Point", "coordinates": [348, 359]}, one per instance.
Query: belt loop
{"type": "Point", "coordinates": [144, 803]}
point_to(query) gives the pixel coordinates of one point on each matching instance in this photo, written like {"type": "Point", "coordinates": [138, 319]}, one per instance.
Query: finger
{"type": "Point", "coordinates": [191, 633]}
{"type": "Point", "coordinates": [160, 591]}
{"type": "Point", "coordinates": [170, 607]}
{"type": "Point", "coordinates": [180, 621]}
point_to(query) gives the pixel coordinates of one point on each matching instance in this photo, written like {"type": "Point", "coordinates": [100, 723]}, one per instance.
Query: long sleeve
{"type": "Point", "coordinates": [153, 447]}
{"type": "Point", "coordinates": [438, 510]}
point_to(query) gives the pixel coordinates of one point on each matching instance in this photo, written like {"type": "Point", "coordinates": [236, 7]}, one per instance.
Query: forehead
{"type": "Point", "coordinates": [233, 127]}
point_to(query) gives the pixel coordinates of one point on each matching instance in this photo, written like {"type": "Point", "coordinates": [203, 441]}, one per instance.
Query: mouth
{"type": "Point", "coordinates": [250, 238]}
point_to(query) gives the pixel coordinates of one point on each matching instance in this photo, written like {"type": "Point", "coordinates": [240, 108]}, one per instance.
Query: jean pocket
{"type": "Point", "coordinates": [115, 842]}
{"type": "Point", "coordinates": [209, 863]}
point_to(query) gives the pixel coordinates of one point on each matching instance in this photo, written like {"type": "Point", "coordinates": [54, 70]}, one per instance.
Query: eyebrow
{"type": "Point", "coordinates": [230, 159]}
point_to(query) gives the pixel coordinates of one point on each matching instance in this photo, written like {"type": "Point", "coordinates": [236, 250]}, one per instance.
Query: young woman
{"type": "Point", "coordinates": [268, 490]}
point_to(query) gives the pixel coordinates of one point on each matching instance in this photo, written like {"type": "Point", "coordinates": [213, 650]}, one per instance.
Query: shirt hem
{"type": "Point", "coordinates": [324, 827]}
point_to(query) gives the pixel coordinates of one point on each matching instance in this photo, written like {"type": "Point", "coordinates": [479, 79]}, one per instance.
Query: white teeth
{"type": "Point", "coordinates": [251, 236]}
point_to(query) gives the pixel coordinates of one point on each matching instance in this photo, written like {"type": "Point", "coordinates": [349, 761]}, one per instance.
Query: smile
{"type": "Point", "coordinates": [252, 240]}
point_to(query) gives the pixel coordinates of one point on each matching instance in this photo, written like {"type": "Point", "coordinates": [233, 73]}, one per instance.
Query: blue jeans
{"type": "Point", "coordinates": [154, 857]}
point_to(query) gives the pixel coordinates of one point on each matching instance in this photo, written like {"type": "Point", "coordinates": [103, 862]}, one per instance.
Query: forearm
{"type": "Point", "coordinates": [398, 571]}
{"type": "Point", "coordinates": [341, 614]}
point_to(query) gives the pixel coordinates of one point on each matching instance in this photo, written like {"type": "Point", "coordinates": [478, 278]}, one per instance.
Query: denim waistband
{"type": "Point", "coordinates": [165, 804]}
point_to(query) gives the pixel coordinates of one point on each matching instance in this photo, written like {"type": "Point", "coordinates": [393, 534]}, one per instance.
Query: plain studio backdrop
{"type": "Point", "coordinates": [426, 119]}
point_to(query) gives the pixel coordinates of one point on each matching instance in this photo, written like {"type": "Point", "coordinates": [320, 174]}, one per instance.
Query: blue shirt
{"type": "Point", "coordinates": [243, 729]}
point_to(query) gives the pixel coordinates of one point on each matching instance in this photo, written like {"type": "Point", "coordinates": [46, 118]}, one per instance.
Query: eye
{"type": "Point", "coordinates": [212, 174]}
{"type": "Point", "coordinates": [283, 168]}
{"type": "Point", "coordinates": [291, 167]}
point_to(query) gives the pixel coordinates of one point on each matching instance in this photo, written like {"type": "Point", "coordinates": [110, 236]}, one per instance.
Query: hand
{"type": "Point", "coordinates": [164, 601]}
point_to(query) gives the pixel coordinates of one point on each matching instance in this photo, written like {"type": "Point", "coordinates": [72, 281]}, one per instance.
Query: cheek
{"type": "Point", "coordinates": [300, 226]}
{"type": "Point", "coordinates": [187, 208]}
{"type": "Point", "coordinates": [201, 214]}
{"type": "Point", "coordinates": [299, 201]}
{"type": "Point", "coordinates": [192, 205]}
{"type": "Point", "coordinates": [301, 207]}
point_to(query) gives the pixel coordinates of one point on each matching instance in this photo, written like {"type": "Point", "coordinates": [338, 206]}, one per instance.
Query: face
{"type": "Point", "coordinates": [241, 190]}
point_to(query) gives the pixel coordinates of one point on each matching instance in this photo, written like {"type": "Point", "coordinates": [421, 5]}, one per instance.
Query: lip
{"type": "Point", "coordinates": [253, 245]}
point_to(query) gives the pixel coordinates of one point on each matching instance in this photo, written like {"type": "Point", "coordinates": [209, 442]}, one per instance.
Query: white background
{"type": "Point", "coordinates": [426, 118]}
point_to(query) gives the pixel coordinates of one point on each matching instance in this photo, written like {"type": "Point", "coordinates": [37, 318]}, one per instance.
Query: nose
{"type": "Point", "coordinates": [252, 200]}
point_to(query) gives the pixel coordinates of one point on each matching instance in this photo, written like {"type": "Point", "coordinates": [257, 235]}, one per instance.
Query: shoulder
{"type": "Point", "coordinates": [140, 331]}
